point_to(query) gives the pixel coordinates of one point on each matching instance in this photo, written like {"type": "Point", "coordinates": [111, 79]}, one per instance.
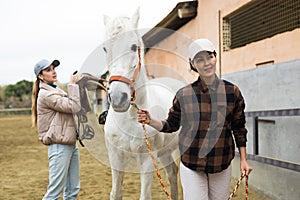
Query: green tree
{"type": "Point", "coordinates": [18, 90]}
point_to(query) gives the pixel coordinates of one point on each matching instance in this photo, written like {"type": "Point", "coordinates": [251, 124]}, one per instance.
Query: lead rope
{"type": "Point", "coordinates": [154, 163]}
{"type": "Point", "coordinates": [152, 157]}
{"type": "Point", "coordinates": [237, 186]}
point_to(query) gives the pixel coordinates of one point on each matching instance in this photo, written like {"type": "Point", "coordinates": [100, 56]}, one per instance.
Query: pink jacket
{"type": "Point", "coordinates": [55, 110]}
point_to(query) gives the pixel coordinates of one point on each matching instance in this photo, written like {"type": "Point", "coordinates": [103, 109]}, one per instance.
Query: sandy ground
{"type": "Point", "coordinates": [24, 169]}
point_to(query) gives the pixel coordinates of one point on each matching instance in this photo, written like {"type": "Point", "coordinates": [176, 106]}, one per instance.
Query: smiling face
{"type": "Point", "coordinates": [205, 63]}
{"type": "Point", "coordinates": [48, 75]}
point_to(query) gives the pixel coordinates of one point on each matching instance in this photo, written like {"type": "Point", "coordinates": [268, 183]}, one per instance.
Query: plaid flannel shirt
{"type": "Point", "coordinates": [209, 117]}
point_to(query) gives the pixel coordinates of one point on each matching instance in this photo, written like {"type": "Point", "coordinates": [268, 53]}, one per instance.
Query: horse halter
{"type": "Point", "coordinates": [130, 82]}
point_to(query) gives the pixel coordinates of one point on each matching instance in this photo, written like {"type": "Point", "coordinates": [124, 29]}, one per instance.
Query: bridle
{"type": "Point", "coordinates": [130, 82]}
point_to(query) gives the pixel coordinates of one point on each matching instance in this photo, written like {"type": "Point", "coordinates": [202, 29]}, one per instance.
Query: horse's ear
{"type": "Point", "coordinates": [106, 19]}
{"type": "Point", "coordinates": [135, 17]}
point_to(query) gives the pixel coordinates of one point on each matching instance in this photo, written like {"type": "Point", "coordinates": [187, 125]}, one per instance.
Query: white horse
{"type": "Point", "coordinates": [128, 85]}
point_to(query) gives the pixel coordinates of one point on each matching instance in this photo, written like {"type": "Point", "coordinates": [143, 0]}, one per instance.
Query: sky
{"type": "Point", "coordinates": [67, 30]}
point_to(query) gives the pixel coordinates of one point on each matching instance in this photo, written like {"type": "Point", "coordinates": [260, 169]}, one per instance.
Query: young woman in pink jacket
{"type": "Point", "coordinates": [52, 115]}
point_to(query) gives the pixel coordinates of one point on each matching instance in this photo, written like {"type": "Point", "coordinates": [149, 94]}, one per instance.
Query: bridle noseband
{"type": "Point", "coordinates": [130, 82]}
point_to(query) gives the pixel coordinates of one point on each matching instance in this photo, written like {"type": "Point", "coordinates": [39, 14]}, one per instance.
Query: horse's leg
{"type": "Point", "coordinates": [172, 171]}
{"type": "Point", "coordinates": [118, 162]}
{"type": "Point", "coordinates": [146, 176]}
{"type": "Point", "coordinates": [146, 185]}
{"type": "Point", "coordinates": [117, 181]}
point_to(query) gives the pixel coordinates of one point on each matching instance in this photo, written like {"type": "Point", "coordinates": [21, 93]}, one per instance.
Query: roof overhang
{"type": "Point", "coordinates": [178, 17]}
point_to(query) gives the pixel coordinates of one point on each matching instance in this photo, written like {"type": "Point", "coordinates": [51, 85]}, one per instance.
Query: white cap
{"type": "Point", "coordinates": [200, 45]}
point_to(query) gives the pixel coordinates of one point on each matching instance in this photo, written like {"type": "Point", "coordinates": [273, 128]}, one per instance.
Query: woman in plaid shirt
{"type": "Point", "coordinates": [210, 112]}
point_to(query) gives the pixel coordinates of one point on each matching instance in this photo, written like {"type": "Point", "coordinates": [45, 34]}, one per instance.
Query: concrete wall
{"type": "Point", "coordinates": [271, 88]}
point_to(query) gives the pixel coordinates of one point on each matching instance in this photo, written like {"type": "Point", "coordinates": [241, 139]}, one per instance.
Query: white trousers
{"type": "Point", "coordinates": [202, 186]}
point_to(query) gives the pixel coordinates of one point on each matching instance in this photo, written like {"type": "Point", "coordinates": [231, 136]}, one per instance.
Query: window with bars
{"type": "Point", "coordinates": [258, 20]}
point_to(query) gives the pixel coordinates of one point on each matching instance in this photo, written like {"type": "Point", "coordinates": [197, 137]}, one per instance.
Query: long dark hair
{"type": "Point", "coordinates": [35, 92]}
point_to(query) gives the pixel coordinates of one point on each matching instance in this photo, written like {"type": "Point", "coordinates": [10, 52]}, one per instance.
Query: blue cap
{"type": "Point", "coordinates": [43, 64]}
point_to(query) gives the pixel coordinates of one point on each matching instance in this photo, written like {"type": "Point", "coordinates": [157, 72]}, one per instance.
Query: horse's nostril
{"type": "Point", "coordinates": [124, 97]}
{"type": "Point", "coordinates": [119, 99]}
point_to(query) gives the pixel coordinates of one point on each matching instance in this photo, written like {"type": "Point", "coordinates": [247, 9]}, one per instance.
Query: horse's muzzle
{"type": "Point", "coordinates": [120, 102]}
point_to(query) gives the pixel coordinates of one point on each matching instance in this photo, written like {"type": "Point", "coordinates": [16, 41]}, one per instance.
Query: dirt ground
{"type": "Point", "coordinates": [24, 169]}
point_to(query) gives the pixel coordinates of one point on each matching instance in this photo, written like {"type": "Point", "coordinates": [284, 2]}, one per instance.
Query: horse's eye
{"type": "Point", "coordinates": [134, 47]}
{"type": "Point", "coordinates": [104, 49]}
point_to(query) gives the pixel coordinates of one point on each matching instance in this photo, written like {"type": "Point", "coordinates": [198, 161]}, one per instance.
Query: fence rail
{"type": "Point", "coordinates": [15, 111]}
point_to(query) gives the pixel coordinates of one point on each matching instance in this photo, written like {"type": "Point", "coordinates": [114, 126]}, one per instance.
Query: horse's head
{"type": "Point", "coordinates": [124, 49]}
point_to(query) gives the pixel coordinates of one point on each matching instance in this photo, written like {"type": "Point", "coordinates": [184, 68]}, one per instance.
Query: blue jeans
{"type": "Point", "coordinates": [63, 172]}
